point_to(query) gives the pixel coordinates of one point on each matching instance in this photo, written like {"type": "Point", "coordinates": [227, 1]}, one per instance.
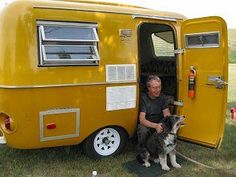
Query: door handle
{"type": "Point", "coordinates": [217, 81]}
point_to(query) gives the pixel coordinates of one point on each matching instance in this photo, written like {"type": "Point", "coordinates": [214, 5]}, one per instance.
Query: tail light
{"type": "Point", "coordinates": [7, 123]}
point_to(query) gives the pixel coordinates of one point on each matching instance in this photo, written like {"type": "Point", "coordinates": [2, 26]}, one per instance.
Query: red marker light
{"type": "Point", "coordinates": [51, 126]}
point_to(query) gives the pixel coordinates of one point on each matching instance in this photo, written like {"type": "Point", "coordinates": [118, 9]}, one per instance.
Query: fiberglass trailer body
{"type": "Point", "coordinates": [72, 72]}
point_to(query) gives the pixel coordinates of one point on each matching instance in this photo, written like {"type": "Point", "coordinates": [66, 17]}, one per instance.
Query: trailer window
{"type": "Point", "coordinates": [62, 43]}
{"type": "Point", "coordinates": [203, 40]}
{"type": "Point", "coordinates": [163, 43]}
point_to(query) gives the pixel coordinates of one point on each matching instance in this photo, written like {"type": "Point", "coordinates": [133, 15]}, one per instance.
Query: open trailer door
{"type": "Point", "coordinates": [205, 56]}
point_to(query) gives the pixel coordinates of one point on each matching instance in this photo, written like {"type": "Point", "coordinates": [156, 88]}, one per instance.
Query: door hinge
{"type": "Point", "coordinates": [179, 51]}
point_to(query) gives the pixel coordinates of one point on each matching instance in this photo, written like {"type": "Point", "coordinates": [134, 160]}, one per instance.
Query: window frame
{"type": "Point", "coordinates": [43, 42]}
{"type": "Point", "coordinates": [202, 45]}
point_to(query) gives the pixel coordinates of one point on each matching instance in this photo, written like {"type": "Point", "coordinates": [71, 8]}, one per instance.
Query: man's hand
{"type": "Point", "coordinates": [159, 127]}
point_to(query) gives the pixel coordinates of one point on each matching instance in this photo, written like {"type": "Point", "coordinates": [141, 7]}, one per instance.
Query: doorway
{"type": "Point", "coordinates": [157, 56]}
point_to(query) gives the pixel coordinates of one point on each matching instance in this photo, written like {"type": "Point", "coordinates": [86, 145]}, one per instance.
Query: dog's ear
{"type": "Point", "coordinates": [171, 120]}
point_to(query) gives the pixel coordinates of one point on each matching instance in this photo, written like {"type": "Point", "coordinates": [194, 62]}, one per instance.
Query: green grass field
{"type": "Point", "coordinates": [232, 45]}
{"type": "Point", "coordinates": [59, 162]}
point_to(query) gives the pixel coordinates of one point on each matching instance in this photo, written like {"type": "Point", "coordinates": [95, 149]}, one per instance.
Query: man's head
{"type": "Point", "coordinates": [153, 86]}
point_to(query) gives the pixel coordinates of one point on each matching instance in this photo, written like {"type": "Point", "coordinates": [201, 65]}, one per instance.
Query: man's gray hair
{"type": "Point", "coordinates": [152, 77]}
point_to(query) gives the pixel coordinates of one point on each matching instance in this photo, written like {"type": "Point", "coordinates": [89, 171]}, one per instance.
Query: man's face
{"type": "Point", "coordinates": [154, 89]}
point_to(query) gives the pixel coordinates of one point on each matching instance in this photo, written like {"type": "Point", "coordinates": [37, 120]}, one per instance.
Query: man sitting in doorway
{"type": "Point", "coordinates": [153, 109]}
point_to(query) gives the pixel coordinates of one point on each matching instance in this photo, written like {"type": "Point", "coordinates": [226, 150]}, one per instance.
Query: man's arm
{"type": "Point", "coordinates": [147, 123]}
{"type": "Point", "coordinates": [166, 112]}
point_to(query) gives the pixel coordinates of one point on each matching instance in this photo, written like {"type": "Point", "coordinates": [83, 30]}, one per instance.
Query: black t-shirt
{"type": "Point", "coordinates": [153, 107]}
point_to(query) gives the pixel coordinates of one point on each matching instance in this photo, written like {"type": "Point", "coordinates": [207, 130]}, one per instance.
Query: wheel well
{"type": "Point", "coordinates": [105, 146]}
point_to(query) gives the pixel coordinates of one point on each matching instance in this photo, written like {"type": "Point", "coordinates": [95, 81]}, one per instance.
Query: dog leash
{"type": "Point", "coordinates": [194, 161]}
{"type": "Point", "coordinates": [233, 172]}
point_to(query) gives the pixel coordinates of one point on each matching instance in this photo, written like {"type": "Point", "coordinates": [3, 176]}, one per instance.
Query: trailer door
{"type": "Point", "coordinates": [204, 41]}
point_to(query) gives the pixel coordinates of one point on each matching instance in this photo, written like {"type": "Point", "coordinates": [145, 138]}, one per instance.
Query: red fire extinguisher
{"type": "Point", "coordinates": [191, 82]}
{"type": "Point", "coordinates": [233, 114]}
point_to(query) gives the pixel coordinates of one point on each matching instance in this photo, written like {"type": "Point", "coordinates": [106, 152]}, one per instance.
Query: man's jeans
{"type": "Point", "coordinates": [142, 133]}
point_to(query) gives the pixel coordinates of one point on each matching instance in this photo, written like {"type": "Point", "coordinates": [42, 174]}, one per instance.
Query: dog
{"type": "Point", "coordinates": [158, 145]}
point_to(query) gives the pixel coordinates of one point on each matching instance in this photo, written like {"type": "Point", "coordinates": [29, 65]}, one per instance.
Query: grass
{"type": "Point", "coordinates": [232, 45]}
{"type": "Point", "coordinates": [59, 162]}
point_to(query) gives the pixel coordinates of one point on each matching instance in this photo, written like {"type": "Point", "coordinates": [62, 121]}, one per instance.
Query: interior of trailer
{"type": "Point", "coordinates": [156, 46]}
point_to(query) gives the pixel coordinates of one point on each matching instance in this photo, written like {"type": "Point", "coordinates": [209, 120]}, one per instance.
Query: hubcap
{"type": "Point", "coordinates": [107, 141]}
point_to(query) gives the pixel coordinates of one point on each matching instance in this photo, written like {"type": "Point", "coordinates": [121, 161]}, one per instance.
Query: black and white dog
{"type": "Point", "coordinates": [158, 145]}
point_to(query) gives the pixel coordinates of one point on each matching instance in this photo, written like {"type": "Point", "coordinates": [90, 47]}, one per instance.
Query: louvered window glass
{"type": "Point", "coordinates": [62, 43]}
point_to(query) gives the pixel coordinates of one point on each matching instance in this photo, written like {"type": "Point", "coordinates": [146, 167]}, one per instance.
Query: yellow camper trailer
{"type": "Point", "coordinates": [71, 71]}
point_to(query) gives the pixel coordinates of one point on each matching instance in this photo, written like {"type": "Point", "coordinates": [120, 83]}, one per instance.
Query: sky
{"type": "Point", "coordinates": [192, 9]}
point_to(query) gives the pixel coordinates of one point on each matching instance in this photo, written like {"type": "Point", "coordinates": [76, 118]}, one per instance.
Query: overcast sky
{"type": "Point", "coordinates": [192, 9]}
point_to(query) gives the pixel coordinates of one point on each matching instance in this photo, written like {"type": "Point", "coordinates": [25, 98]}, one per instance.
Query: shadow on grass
{"type": "Point", "coordinates": [69, 154]}
{"type": "Point", "coordinates": [56, 153]}
{"type": "Point", "coordinates": [40, 162]}
{"type": "Point", "coordinates": [58, 161]}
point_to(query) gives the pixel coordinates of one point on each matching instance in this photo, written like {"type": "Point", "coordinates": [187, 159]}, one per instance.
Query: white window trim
{"type": "Point", "coordinates": [43, 41]}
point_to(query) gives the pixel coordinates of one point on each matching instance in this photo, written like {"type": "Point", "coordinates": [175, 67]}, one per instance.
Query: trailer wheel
{"type": "Point", "coordinates": [106, 142]}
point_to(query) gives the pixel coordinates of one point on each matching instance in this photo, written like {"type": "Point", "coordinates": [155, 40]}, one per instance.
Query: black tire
{"type": "Point", "coordinates": [108, 141]}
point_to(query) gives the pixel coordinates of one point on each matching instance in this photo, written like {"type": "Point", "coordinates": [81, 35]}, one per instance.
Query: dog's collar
{"type": "Point", "coordinates": [172, 142]}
